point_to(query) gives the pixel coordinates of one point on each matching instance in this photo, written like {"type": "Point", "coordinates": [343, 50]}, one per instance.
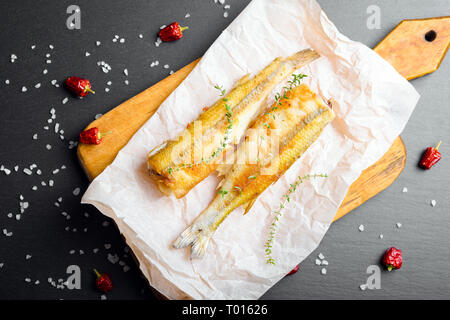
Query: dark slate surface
{"type": "Point", "coordinates": [41, 231]}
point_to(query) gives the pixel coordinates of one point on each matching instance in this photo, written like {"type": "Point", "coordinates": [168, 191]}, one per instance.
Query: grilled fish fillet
{"type": "Point", "coordinates": [171, 166]}
{"type": "Point", "coordinates": [295, 122]}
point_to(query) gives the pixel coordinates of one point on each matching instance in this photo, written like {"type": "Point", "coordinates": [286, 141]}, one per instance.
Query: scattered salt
{"type": "Point", "coordinates": [361, 228]}
{"type": "Point", "coordinates": [76, 191]}
{"type": "Point", "coordinates": [405, 189]}
{"type": "Point", "coordinates": [433, 203]}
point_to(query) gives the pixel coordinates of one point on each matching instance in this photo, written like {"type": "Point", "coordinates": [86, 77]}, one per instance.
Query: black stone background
{"type": "Point", "coordinates": [41, 230]}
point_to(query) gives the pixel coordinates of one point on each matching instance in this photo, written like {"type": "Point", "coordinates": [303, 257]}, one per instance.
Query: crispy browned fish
{"type": "Point", "coordinates": [177, 166]}
{"type": "Point", "coordinates": [297, 122]}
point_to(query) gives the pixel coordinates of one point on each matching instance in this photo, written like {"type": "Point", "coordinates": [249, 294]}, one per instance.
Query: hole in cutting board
{"type": "Point", "coordinates": [430, 35]}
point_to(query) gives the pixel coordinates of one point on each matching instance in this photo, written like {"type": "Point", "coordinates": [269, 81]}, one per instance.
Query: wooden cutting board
{"type": "Point", "coordinates": [414, 48]}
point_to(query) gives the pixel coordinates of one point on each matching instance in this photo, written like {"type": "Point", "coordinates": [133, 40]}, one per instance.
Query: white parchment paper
{"type": "Point", "coordinates": [374, 104]}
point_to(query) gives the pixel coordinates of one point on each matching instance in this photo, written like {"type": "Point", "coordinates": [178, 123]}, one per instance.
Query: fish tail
{"type": "Point", "coordinates": [195, 237]}
{"type": "Point", "coordinates": [200, 244]}
{"type": "Point", "coordinates": [186, 238]}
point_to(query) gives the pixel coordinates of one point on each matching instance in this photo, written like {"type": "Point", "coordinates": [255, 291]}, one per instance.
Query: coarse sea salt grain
{"type": "Point", "coordinates": [325, 262]}
{"type": "Point", "coordinates": [37, 85]}
{"type": "Point", "coordinates": [323, 271]}
{"type": "Point", "coordinates": [399, 225]}
{"type": "Point", "coordinates": [321, 256]}
{"type": "Point", "coordinates": [433, 203]}
{"type": "Point", "coordinates": [125, 71]}
{"type": "Point", "coordinates": [363, 287]}
{"type": "Point", "coordinates": [49, 147]}
{"type": "Point", "coordinates": [405, 189]}
{"type": "Point", "coordinates": [361, 228]}
{"type": "Point", "coordinates": [381, 236]}
{"type": "Point", "coordinates": [24, 89]}
{"type": "Point", "coordinates": [141, 36]}
{"type": "Point", "coordinates": [76, 191]}
{"type": "Point", "coordinates": [27, 171]}
{"type": "Point", "coordinates": [64, 101]}
{"type": "Point", "coordinates": [45, 71]}
{"type": "Point", "coordinates": [97, 43]}
{"type": "Point", "coordinates": [225, 14]}
{"type": "Point", "coordinates": [7, 81]}
{"type": "Point", "coordinates": [318, 262]}
{"type": "Point", "coordinates": [188, 15]}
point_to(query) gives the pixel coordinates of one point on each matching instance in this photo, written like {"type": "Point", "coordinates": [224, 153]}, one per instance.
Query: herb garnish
{"type": "Point", "coordinates": [278, 214]}
{"type": "Point", "coordinates": [223, 192]}
{"type": "Point", "coordinates": [223, 144]}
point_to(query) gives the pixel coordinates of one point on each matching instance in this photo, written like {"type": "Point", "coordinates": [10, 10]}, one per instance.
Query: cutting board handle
{"type": "Point", "coordinates": [416, 47]}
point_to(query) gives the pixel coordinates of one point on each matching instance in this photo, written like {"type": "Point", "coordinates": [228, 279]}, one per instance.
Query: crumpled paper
{"type": "Point", "coordinates": [374, 104]}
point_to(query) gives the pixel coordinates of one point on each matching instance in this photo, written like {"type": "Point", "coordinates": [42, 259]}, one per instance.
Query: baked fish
{"type": "Point", "coordinates": [178, 165]}
{"type": "Point", "coordinates": [294, 122]}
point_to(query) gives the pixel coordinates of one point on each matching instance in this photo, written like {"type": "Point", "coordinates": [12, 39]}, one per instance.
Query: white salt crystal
{"type": "Point", "coordinates": [361, 228]}
{"type": "Point", "coordinates": [321, 256]}
{"type": "Point", "coordinates": [433, 203]}
{"type": "Point", "coordinates": [24, 89]}
{"type": "Point", "coordinates": [323, 271]}
{"type": "Point", "coordinates": [405, 189]}
{"type": "Point", "coordinates": [37, 85]}
{"type": "Point", "coordinates": [64, 101]}
{"type": "Point", "coordinates": [363, 287]}
{"type": "Point", "coordinates": [318, 262]}
{"type": "Point", "coordinates": [76, 191]}
{"type": "Point", "coordinates": [399, 225]}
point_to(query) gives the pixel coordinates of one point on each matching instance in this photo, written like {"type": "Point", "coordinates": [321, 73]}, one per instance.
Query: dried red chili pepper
{"type": "Point", "coordinates": [103, 281]}
{"type": "Point", "coordinates": [430, 157]}
{"type": "Point", "coordinates": [392, 258]}
{"type": "Point", "coordinates": [92, 136]}
{"type": "Point", "coordinates": [79, 86]}
{"type": "Point", "coordinates": [294, 270]}
{"type": "Point", "coordinates": [172, 32]}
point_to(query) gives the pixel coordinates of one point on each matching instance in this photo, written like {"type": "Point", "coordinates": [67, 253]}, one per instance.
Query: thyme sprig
{"type": "Point", "coordinates": [223, 143]}
{"type": "Point", "coordinates": [278, 214]}
{"type": "Point", "coordinates": [279, 97]}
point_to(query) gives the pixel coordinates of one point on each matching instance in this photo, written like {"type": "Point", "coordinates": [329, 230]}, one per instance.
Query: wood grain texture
{"type": "Point", "coordinates": [407, 49]}
{"type": "Point", "coordinates": [402, 48]}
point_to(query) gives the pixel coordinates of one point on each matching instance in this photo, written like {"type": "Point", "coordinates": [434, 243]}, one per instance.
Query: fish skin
{"type": "Point", "coordinates": [298, 122]}
{"type": "Point", "coordinates": [246, 101]}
